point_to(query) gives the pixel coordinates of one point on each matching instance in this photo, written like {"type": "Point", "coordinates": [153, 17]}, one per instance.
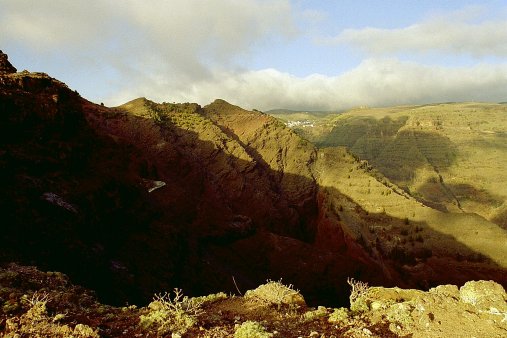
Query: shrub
{"type": "Point", "coordinates": [401, 255]}
{"type": "Point", "coordinates": [315, 314]}
{"type": "Point", "coordinates": [209, 299]}
{"type": "Point", "coordinates": [36, 322]}
{"type": "Point", "coordinates": [358, 295]}
{"type": "Point", "coordinates": [251, 329]}
{"type": "Point", "coordinates": [277, 293]}
{"type": "Point", "coordinates": [339, 315]}
{"type": "Point", "coordinates": [171, 314]}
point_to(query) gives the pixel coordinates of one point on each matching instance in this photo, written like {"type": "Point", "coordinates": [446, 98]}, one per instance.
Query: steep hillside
{"type": "Point", "coordinates": [417, 245]}
{"type": "Point", "coordinates": [73, 200]}
{"type": "Point", "coordinates": [151, 196]}
{"type": "Point", "coordinates": [449, 156]}
{"type": "Point", "coordinates": [145, 197]}
{"type": "Point", "coordinates": [256, 205]}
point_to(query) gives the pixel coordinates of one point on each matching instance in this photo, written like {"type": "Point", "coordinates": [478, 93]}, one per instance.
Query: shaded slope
{"type": "Point", "coordinates": [450, 156]}
{"type": "Point", "coordinates": [71, 199]}
{"type": "Point", "coordinates": [416, 244]}
{"type": "Point", "coordinates": [236, 194]}
{"type": "Point", "coordinates": [77, 178]}
{"type": "Point", "coordinates": [251, 224]}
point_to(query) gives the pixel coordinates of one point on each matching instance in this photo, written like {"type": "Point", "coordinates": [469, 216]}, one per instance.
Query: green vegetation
{"type": "Point", "coordinates": [339, 316]}
{"type": "Point", "coordinates": [169, 314]}
{"type": "Point", "coordinates": [312, 315]}
{"type": "Point", "coordinates": [277, 293]}
{"type": "Point", "coordinates": [51, 307]}
{"type": "Point", "coordinates": [251, 329]}
{"type": "Point", "coordinates": [37, 323]}
{"type": "Point", "coordinates": [358, 296]}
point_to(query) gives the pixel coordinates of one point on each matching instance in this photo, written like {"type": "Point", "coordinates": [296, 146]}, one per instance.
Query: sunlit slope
{"type": "Point", "coordinates": [391, 219]}
{"type": "Point", "coordinates": [450, 156]}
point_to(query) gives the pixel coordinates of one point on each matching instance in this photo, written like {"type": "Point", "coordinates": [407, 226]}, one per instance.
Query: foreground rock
{"type": "Point", "coordinates": [35, 303]}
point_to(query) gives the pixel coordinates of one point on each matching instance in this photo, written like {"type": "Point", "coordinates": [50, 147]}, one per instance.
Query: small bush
{"type": "Point", "coordinates": [171, 314]}
{"type": "Point", "coordinates": [36, 323]}
{"type": "Point", "coordinates": [339, 316]}
{"type": "Point", "coordinates": [402, 255]}
{"type": "Point", "coordinates": [277, 293]}
{"type": "Point", "coordinates": [251, 329]}
{"type": "Point", "coordinates": [358, 295]}
{"type": "Point", "coordinates": [209, 299]}
{"type": "Point", "coordinates": [309, 316]}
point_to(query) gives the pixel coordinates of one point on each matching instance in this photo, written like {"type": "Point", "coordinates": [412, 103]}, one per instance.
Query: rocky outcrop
{"type": "Point", "coordinates": [72, 198]}
{"type": "Point", "coordinates": [5, 65]}
{"type": "Point", "coordinates": [36, 303]}
{"type": "Point", "coordinates": [480, 308]}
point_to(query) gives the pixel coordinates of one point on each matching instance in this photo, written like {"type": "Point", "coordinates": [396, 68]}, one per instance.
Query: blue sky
{"type": "Point", "coordinates": [300, 54]}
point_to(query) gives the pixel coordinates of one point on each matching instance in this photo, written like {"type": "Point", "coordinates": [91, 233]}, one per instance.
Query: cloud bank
{"type": "Point", "coordinates": [192, 50]}
{"type": "Point", "coordinates": [374, 83]}
{"type": "Point", "coordinates": [458, 33]}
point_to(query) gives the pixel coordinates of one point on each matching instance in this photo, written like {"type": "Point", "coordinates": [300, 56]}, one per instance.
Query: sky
{"type": "Point", "coordinates": [264, 54]}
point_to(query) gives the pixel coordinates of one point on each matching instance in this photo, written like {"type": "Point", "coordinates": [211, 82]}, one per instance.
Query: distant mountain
{"type": "Point", "coordinates": [147, 196]}
{"type": "Point", "coordinates": [449, 156]}
{"type": "Point", "coordinates": [316, 113]}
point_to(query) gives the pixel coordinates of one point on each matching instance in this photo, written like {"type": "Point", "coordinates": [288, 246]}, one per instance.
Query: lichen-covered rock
{"type": "Point", "coordinates": [251, 329]}
{"type": "Point", "coordinates": [484, 295]}
{"type": "Point", "coordinates": [5, 65]}
{"type": "Point", "coordinates": [446, 291]}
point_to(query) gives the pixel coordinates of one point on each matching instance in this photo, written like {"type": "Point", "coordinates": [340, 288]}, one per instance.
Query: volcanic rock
{"type": "Point", "coordinates": [5, 65]}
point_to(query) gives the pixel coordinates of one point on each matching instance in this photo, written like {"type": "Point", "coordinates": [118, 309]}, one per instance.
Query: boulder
{"type": "Point", "coordinates": [484, 295]}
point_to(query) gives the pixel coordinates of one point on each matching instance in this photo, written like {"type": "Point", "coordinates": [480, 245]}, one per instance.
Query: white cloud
{"type": "Point", "coordinates": [458, 33]}
{"type": "Point", "coordinates": [194, 50]}
{"type": "Point", "coordinates": [375, 82]}
{"type": "Point", "coordinates": [165, 42]}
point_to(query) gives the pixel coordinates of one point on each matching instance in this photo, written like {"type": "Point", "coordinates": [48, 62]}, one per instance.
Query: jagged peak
{"type": "Point", "coordinates": [5, 65]}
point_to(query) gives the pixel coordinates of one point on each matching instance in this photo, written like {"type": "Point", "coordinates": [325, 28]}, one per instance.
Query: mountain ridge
{"type": "Point", "coordinates": [240, 199]}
